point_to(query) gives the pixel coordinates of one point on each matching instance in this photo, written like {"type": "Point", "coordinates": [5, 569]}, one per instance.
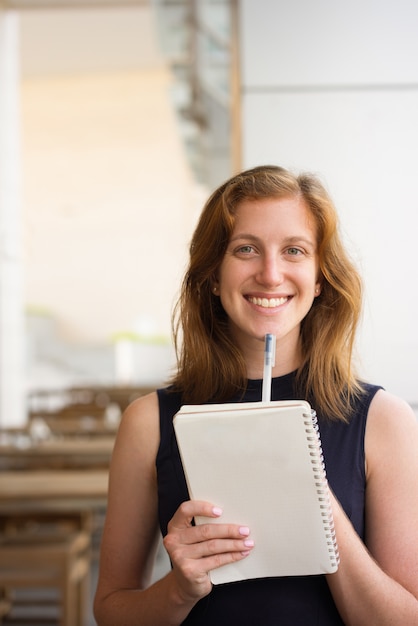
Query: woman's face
{"type": "Point", "coordinates": [268, 278]}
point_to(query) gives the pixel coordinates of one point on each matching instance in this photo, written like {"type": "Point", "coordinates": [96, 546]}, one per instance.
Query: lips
{"type": "Point", "coordinates": [267, 303]}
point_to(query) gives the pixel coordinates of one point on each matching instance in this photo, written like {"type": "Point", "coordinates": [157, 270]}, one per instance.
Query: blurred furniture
{"type": "Point", "coordinates": [5, 603]}
{"type": "Point", "coordinates": [53, 491]}
{"type": "Point", "coordinates": [89, 396]}
{"type": "Point", "coordinates": [105, 394]}
{"type": "Point", "coordinates": [87, 411]}
{"type": "Point", "coordinates": [76, 420]}
{"type": "Point", "coordinates": [47, 521]}
{"type": "Point", "coordinates": [18, 450]}
{"type": "Point", "coordinates": [81, 493]}
{"type": "Point", "coordinates": [45, 553]}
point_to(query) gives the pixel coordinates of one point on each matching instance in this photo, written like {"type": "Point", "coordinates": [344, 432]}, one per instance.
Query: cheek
{"type": "Point", "coordinates": [228, 274]}
{"type": "Point", "coordinates": [306, 276]}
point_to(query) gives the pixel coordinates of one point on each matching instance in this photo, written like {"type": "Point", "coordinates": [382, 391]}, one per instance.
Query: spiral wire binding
{"type": "Point", "coordinates": [321, 483]}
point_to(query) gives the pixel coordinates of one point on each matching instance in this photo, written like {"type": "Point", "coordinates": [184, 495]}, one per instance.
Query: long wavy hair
{"type": "Point", "coordinates": [210, 365]}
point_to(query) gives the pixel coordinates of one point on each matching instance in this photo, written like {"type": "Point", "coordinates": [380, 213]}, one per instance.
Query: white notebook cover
{"type": "Point", "coordinates": [262, 463]}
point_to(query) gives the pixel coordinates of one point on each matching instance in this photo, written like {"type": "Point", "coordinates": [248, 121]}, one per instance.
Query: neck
{"type": "Point", "coordinates": [288, 359]}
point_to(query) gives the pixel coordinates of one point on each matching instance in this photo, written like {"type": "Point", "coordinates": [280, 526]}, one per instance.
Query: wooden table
{"type": "Point", "coordinates": [52, 491]}
{"type": "Point", "coordinates": [67, 452]}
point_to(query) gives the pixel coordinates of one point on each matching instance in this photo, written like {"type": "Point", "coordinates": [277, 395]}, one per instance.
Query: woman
{"type": "Point", "coordinates": [265, 257]}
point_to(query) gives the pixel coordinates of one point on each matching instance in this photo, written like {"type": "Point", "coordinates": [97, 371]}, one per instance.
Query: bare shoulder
{"type": "Point", "coordinates": [140, 422]}
{"type": "Point", "coordinates": [391, 425]}
{"type": "Point", "coordinates": [136, 447]}
{"type": "Point", "coordinates": [391, 447]}
{"type": "Point", "coordinates": [388, 402]}
{"type": "Point", "coordinates": [130, 533]}
{"type": "Point", "coordinates": [391, 433]}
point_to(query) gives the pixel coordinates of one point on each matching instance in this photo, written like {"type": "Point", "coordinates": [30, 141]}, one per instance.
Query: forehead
{"type": "Point", "coordinates": [275, 215]}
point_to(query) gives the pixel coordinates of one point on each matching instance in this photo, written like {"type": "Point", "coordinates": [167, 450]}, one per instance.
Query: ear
{"type": "Point", "coordinates": [215, 286]}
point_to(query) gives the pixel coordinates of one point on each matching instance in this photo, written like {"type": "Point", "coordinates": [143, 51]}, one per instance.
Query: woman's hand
{"type": "Point", "coordinates": [196, 550]}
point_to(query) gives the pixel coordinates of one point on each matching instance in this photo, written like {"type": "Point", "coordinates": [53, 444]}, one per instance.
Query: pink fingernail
{"type": "Point", "coordinates": [249, 543]}
{"type": "Point", "coordinates": [244, 530]}
{"type": "Point", "coordinates": [217, 511]}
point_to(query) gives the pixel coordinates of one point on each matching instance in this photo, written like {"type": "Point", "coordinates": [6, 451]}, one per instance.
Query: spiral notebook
{"type": "Point", "coordinates": [262, 463]}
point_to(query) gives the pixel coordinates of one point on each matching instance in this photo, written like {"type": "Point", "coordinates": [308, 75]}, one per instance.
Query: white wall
{"type": "Point", "coordinates": [107, 202]}
{"type": "Point", "coordinates": [12, 408]}
{"type": "Point", "coordinates": [108, 194]}
{"type": "Point", "coordinates": [332, 87]}
{"type": "Point", "coordinates": [87, 40]}
{"type": "Point", "coordinates": [109, 199]}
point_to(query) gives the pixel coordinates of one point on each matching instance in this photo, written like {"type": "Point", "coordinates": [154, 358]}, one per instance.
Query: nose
{"type": "Point", "coordinates": [270, 272]}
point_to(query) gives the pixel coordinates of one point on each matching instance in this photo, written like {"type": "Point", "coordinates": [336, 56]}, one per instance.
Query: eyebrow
{"type": "Point", "coordinates": [288, 240]}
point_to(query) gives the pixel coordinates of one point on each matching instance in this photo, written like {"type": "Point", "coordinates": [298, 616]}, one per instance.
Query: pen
{"type": "Point", "coordinates": [269, 360]}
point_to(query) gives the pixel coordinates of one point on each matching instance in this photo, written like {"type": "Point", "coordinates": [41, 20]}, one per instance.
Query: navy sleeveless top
{"type": "Point", "coordinates": [284, 601]}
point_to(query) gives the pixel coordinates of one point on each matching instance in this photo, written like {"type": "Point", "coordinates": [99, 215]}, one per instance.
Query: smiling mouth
{"type": "Point", "coordinates": [267, 303]}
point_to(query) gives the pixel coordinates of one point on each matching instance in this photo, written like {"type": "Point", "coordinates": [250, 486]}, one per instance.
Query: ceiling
{"type": "Point", "coordinates": [86, 40]}
{"type": "Point", "coordinates": [61, 38]}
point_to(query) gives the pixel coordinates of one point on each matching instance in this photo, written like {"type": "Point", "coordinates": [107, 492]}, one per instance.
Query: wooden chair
{"type": "Point", "coordinates": [49, 560]}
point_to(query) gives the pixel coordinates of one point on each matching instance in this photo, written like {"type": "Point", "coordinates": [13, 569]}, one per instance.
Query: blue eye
{"type": "Point", "coordinates": [246, 249]}
{"type": "Point", "coordinates": [294, 251]}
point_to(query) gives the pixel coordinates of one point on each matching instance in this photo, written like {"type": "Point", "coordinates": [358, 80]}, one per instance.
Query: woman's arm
{"type": "Point", "coordinates": [130, 535]}
{"type": "Point", "coordinates": [378, 586]}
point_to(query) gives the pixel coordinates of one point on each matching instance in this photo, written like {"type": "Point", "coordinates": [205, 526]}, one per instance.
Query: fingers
{"type": "Point", "coordinates": [209, 535]}
{"type": "Point", "coordinates": [196, 550]}
{"type": "Point", "coordinates": [210, 532]}
{"type": "Point", "coordinates": [193, 508]}
{"type": "Point", "coordinates": [207, 539]}
{"type": "Point", "coordinates": [205, 546]}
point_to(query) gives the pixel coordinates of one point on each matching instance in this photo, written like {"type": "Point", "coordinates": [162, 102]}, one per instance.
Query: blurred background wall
{"type": "Point", "coordinates": [129, 113]}
{"type": "Point", "coordinates": [332, 87]}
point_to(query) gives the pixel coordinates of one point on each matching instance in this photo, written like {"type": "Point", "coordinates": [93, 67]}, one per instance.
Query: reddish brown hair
{"type": "Point", "coordinates": [210, 365]}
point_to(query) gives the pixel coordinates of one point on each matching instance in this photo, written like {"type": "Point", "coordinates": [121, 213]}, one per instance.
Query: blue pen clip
{"type": "Point", "coordinates": [270, 350]}
{"type": "Point", "coordinates": [269, 361]}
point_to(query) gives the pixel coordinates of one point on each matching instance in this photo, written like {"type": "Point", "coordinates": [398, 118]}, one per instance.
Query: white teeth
{"type": "Point", "coordinates": [268, 303]}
